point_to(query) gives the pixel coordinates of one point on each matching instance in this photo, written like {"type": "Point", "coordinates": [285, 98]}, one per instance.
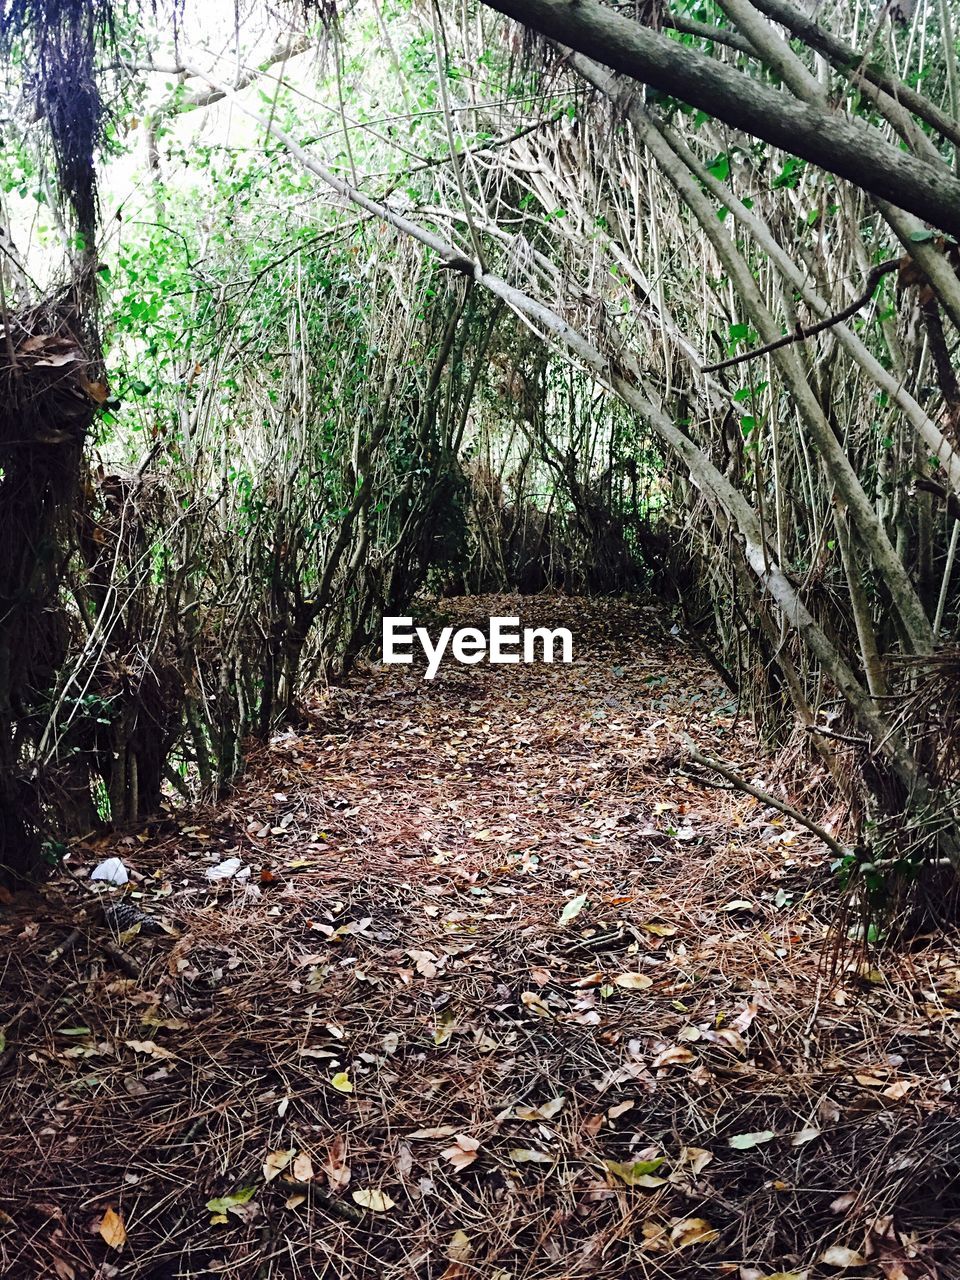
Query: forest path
{"type": "Point", "coordinates": [506, 995]}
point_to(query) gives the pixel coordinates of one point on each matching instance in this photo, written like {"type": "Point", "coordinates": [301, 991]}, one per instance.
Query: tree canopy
{"type": "Point", "coordinates": [505, 295]}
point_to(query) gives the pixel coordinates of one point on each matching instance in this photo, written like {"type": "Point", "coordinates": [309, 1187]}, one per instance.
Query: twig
{"type": "Point", "coordinates": [853, 739]}
{"type": "Point", "coordinates": [735, 780]}
{"type": "Point", "coordinates": [119, 957]}
{"type": "Point", "coordinates": [65, 947]}
{"type": "Point", "coordinates": [801, 333]}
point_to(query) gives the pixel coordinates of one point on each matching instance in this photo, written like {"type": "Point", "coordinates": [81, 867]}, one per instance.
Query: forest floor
{"type": "Point", "coordinates": [506, 995]}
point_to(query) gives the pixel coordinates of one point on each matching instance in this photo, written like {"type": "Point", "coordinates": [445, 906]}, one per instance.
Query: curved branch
{"type": "Point", "coordinates": [801, 333]}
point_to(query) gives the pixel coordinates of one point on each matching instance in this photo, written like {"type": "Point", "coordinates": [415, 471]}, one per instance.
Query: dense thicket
{"type": "Point", "coordinates": [421, 300]}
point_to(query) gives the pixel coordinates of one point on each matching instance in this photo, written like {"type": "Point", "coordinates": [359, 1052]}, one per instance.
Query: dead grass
{"type": "Point", "coordinates": [411, 854]}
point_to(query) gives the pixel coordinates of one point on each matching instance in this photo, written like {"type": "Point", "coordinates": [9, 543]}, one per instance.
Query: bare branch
{"type": "Point", "coordinates": [801, 333]}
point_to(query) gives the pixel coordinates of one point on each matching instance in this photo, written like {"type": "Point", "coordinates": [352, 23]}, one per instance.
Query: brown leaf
{"type": "Point", "coordinates": [546, 1110]}
{"type": "Point", "coordinates": [425, 961]}
{"type": "Point", "coordinates": [441, 1131]}
{"type": "Point", "coordinates": [463, 1152]}
{"type": "Point", "coordinates": [371, 1198]}
{"type": "Point", "coordinates": [841, 1258]}
{"type": "Point", "coordinates": [634, 981]}
{"type": "Point", "coordinates": [150, 1047]}
{"type": "Point", "coordinates": [97, 391]}
{"type": "Point", "coordinates": [696, 1158]}
{"type": "Point", "coordinates": [112, 1230]}
{"type": "Point", "coordinates": [335, 1166]}
{"type": "Point", "coordinates": [276, 1162]}
{"type": "Point", "coordinates": [692, 1231]}
{"type": "Point", "coordinates": [675, 1055]}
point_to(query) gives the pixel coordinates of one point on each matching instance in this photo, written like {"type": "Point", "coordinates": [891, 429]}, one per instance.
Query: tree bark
{"type": "Point", "coordinates": [848, 148]}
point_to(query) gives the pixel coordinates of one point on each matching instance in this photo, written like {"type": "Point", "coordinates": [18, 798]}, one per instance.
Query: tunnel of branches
{"type": "Point", "coordinates": [401, 302]}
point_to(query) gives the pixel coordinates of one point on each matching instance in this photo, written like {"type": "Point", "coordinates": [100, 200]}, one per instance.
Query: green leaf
{"type": "Point", "coordinates": [446, 1025]}
{"type": "Point", "coordinates": [720, 167]}
{"type": "Point", "coordinates": [572, 909]}
{"type": "Point", "coordinates": [746, 1141]}
{"type": "Point", "coordinates": [922, 237]}
{"type": "Point", "coordinates": [637, 1173]}
{"type": "Point", "coordinates": [223, 1204]}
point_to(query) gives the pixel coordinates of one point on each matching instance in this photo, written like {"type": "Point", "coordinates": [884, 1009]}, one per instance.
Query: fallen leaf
{"type": "Point", "coordinates": [276, 1162]}
{"type": "Point", "coordinates": [459, 1248]}
{"type": "Point", "coordinates": [804, 1135]}
{"type": "Point", "coordinates": [463, 1152]}
{"type": "Point", "coordinates": [743, 1021]}
{"type": "Point", "coordinates": [526, 1155]}
{"type": "Point", "coordinates": [232, 1203]}
{"type": "Point", "coordinates": [892, 1269]}
{"type": "Point", "coordinates": [446, 1026]}
{"type": "Point", "coordinates": [869, 1081]}
{"type": "Point", "coordinates": [112, 1230]}
{"type": "Point", "coordinates": [696, 1157]}
{"type": "Point", "coordinates": [634, 981]}
{"type": "Point", "coordinates": [637, 1173]}
{"type": "Point", "coordinates": [842, 1203]}
{"type": "Point", "coordinates": [426, 963]}
{"type": "Point", "coordinates": [546, 1111]}
{"type": "Point", "coordinates": [655, 1238]}
{"type": "Point", "coordinates": [341, 1082]}
{"type": "Point", "coordinates": [335, 1166]}
{"type": "Point", "coordinates": [692, 1231]}
{"type": "Point", "coordinates": [150, 1047]}
{"type": "Point", "coordinates": [660, 930]}
{"type": "Point", "coordinates": [303, 1168]}
{"type": "Point", "coordinates": [840, 1257]}
{"type": "Point", "coordinates": [97, 391]}
{"type": "Point", "coordinates": [746, 1141]}
{"type": "Point", "coordinates": [370, 1198]}
{"type": "Point", "coordinates": [675, 1055]}
{"type": "Point", "coordinates": [530, 1000]}
{"type": "Point", "coordinates": [442, 1131]}
{"type": "Point", "coordinates": [728, 1037]}
{"type": "Point", "coordinates": [572, 909]}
